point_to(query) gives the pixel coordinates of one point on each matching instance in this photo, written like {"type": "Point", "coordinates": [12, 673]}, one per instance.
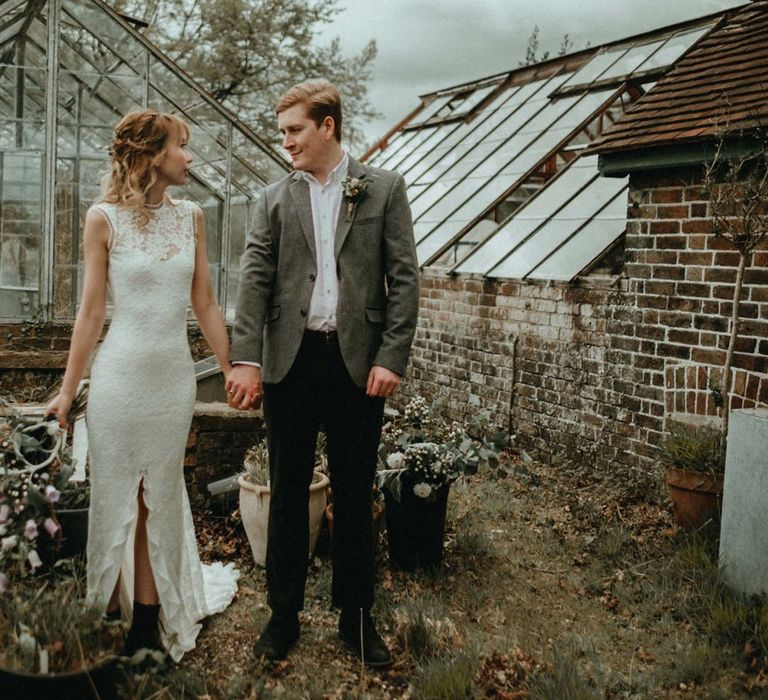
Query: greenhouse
{"type": "Point", "coordinates": [69, 69]}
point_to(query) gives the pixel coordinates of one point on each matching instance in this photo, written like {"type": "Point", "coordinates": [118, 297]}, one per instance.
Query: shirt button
{"type": "Point", "coordinates": [303, 312]}
{"type": "Point", "coordinates": [311, 278]}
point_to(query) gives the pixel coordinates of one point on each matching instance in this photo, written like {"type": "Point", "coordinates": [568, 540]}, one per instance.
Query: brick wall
{"type": "Point", "coordinates": [592, 372]}
{"type": "Point", "coordinates": [33, 356]}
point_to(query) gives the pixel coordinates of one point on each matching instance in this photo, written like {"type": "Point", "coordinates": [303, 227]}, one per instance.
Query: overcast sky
{"type": "Point", "coordinates": [425, 45]}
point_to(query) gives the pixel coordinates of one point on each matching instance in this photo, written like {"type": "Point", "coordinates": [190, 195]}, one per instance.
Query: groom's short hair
{"type": "Point", "coordinates": [321, 98]}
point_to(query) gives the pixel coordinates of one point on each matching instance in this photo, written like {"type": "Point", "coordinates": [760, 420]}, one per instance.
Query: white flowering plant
{"type": "Point", "coordinates": [422, 451]}
{"type": "Point", "coordinates": [35, 466]}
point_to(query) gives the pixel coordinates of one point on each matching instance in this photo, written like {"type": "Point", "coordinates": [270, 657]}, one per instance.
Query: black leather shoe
{"type": "Point", "coordinates": [364, 638]}
{"type": "Point", "coordinates": [277, 639]}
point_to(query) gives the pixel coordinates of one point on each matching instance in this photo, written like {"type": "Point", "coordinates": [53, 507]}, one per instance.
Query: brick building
{"type": "Point", "coordinates": [583, 311]}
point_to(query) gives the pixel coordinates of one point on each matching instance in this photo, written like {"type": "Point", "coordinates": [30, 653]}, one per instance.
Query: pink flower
{"type": "Point", "coordinates": [34, 559]}
{"type": "Point", "coordinates": [9, 542]}
{"type": "Point", "coordinates": [52, 494]}
{"type": "Point", "coordinates": [5, 512]}
{"type": "Point", "coordinates": [30, 529]}
{"type": "Point", "coordinates": [51, 526]}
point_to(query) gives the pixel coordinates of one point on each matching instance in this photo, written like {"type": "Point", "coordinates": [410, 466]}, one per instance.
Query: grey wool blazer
{"type": "Point", "coordinates": [376, 267]}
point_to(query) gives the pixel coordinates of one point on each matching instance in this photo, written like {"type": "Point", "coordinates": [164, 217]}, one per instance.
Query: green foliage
{"type": "Point", "coordinates": [50, 627]}
{"type": "Point", "coordinates": [446, 678]}
{"type": "Point", "coordinates": [423, 451]}
{"type": "Point", "coordinates": [562, 679]}
{"type": "Point", "coordinates": [697, 448]}
{"type": "Point", "coordinates": [246, 53]}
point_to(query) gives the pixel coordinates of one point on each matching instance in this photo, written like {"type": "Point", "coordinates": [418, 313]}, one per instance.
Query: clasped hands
{"type": "Point", "coordinates": [244, 387]}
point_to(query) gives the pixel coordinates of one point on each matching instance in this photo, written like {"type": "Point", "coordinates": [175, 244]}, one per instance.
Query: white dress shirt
{"type": "Point", "coordinates": [326, 201]}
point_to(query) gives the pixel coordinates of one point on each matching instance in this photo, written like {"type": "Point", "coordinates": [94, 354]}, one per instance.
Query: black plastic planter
{"type": "Point", "coordinates": [98, 682]}
{"type": "Point", "coordinates": [415, 529]}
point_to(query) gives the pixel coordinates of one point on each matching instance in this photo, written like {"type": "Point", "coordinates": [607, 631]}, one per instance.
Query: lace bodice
{"type": "Point", "coordinates": [169, 230]}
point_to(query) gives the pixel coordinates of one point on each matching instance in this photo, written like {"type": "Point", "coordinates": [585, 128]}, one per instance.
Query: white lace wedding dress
{"type": "Point", "coordinates": [140, 406]}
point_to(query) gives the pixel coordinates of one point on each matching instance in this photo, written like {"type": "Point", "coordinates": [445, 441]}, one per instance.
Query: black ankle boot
{"type": "Point", "coordinates": [357, 629]}
{"type": "Point", "coordinates": [112, 615]}
{"type": "Point", "coordinates": [144, 632]}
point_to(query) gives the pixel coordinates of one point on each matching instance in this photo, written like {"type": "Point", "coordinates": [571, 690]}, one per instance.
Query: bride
{"type": "Point", "coordinates": [149, 250]}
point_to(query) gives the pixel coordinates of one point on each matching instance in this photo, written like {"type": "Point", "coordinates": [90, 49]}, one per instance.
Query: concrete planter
{"type": "Point", "coordinates": [254, 511]}
{"type": "Point", "coordinates": [743, 532]}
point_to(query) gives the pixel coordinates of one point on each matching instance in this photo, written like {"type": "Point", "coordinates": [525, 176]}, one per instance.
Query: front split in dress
{"type": "Point", "coordinates": [140, 406]}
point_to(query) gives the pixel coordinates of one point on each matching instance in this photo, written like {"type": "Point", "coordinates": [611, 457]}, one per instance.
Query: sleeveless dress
{"type": "Point", "coordinates": [140, 405]}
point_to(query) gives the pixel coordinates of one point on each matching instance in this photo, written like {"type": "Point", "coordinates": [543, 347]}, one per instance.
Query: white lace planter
{"type": "Point", "coordinates": [254, 511]}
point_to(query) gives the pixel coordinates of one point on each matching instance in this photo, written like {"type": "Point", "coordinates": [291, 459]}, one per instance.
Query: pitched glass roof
{"type": "Point", "coordinates": [498, 189]}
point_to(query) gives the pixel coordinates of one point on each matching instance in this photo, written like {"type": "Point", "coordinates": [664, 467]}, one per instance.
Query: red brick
{"type": "Point", "coordinates": [672, 211]}
{"type": "Point", "coordinates": [697, 242]}
{"type": "Point", "coordinates": [697, 226]}
{"type": "Point", "coordinates": [656, 227]}
{"type": "Point", "coordinates": [676, 335]}
{"type": "Point", "coordinates": [695, 258]}
{"type": "Point", "coordinates": [727, 259]}
{"type": "Point", "coordinates": [667, 195]}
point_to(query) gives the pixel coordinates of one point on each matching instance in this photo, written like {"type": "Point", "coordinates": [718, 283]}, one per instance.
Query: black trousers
{"type": "Point", "coordinates": [318, 391]}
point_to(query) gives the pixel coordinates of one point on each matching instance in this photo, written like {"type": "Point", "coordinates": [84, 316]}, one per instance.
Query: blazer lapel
{"type": "Point", "coordinates": [299, 190]}
{"type": "Point", "coordinates": [342, 224]}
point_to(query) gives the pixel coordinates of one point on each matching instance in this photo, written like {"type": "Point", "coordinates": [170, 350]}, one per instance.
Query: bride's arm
{"type": "Point", "coordinates": [204, 300]}
{"type": "Point", "coordinates": [90, 317]}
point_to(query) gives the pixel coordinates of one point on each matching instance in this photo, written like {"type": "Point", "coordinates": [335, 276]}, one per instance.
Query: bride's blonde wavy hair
{"type": "Point", "coordinates": [137, 147]}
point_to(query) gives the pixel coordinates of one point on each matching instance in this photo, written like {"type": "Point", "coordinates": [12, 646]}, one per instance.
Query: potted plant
{"type": "Point", "coordinates": [421, 455]}
{"type": "Point", "coordinates": [254, 499]}
{"type": "Point", "coordinates": [694, 462]}
{"type": "Point", "coordinates": [52, 645]}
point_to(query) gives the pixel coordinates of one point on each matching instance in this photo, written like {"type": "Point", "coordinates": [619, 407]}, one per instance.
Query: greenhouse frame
{"type": "Point", "coordinates": [69, 69]}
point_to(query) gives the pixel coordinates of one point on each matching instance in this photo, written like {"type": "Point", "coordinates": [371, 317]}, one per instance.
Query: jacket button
{"type": "Point", "coordinates": [311, 278]}
{"type": "Point", "coordinates": [303, 312]}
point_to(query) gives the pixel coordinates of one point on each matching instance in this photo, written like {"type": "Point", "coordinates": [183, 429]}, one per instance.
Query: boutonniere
{"type": "Point", "coordinates": [353, 189]}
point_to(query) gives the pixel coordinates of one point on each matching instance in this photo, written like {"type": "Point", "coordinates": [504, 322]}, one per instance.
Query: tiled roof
{"type": "Point", "coordinates": [721, 83]}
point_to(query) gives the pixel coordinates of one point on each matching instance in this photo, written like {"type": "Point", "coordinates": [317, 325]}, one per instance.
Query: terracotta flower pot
{"type": "Point", "coordinates": [697, 496]}
{"type": "Point", "coordinates": [377, 511]}
{"type": "Point", "coordinates": [254, 511]}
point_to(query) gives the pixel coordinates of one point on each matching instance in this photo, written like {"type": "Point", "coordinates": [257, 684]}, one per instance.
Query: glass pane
{"type": "Point", "coordinates": [542, 207]}
{"type": "Point", "coordinates": [629, 62]}
{"type": "Point", "coordinates": [404, 146]}
{"type": "Point", "coordinates": [464, 138]}
{"type": "Point", "coordinates": [496, 135]}
{"type": "Point", "coordinates": [100, 40]}
{"type": "Point", "coordinates": [595, 67]}
{"type": "Point", "coordinates": [491, 186]}
{"type": "Point", "coordinates": [242, 215]}
{"type": "Point", "coordinates": [673, 49]}
{"type": "Point", "coordinates": [556, 230]}
{"type": "Point", "coordinates": [582, 249]}
{"type": "Point", "coordinates": [20, 232]}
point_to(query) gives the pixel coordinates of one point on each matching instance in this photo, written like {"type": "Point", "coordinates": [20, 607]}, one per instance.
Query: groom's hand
{"type": "Point", "coordinates": [382, 382]}
{"type": "Point", "coordinates": [243, 387]}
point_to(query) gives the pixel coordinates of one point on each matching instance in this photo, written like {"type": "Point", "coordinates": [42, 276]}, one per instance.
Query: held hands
{"type": "Point", "coordinates": [243, 387]}
{"type": "Point", "coordinates": [60, 406]}
{"type": "Point", "coordinates": [382, 382]}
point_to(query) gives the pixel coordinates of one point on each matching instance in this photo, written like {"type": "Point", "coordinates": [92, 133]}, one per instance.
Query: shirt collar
{"type": "Point", "coordinates": [335, 176]}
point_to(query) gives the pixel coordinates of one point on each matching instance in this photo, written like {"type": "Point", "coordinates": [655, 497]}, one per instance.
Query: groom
{"type": "Point", "coordinates": [326, 314]}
